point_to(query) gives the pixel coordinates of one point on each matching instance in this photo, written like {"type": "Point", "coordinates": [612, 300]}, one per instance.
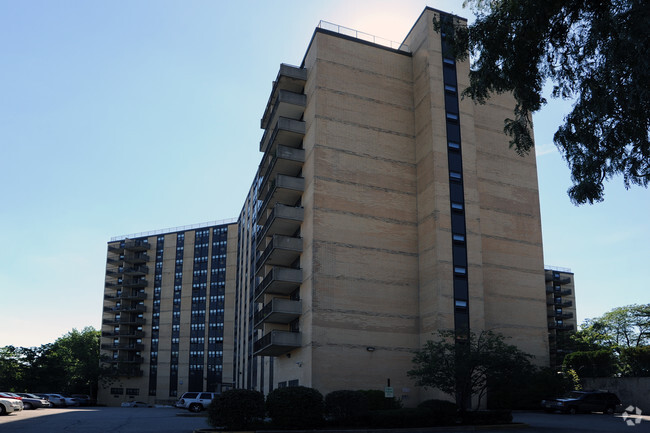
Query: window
{"type": "Point", "coordinates": [460, 270]}
{"type": "Point", "coordinates": [117, 391]}
{"type": "Point", "coordinates": [461, 304]}
{"type": "Point", "coordinates": [133, 391]}
{"type": "Point", "coordinates": [458, 238]}
{"type": "Point", "coordinates": [455, 175]}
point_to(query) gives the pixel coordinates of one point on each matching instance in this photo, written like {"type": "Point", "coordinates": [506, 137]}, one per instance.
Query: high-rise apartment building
{"type": "Point", "coordinates": [561, 312]}
{"type": "Point", "coordinates": [168, 299]}
{"type": "Point", "coordinates": [385, 208]}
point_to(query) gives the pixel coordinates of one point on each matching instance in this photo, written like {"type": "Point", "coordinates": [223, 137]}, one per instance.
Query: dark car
{"type": "Point", "coordinates": [31, 401]}
{"type": "Point", "coordinates": [583, 401]}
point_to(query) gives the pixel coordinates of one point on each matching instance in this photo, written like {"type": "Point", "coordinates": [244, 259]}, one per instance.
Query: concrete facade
{"type": "Point", "coordinates": [354, 246]}
{"type": "Point", "coordinates": [169, 314]}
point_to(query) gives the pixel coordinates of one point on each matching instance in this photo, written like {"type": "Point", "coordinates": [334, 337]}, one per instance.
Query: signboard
{"type": "Point", "coordinates": [388, 392]}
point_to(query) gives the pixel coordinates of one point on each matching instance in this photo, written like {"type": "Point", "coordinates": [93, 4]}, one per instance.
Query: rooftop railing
{"type": "Point", "coordinates": [325, 25]}
{"type": "Point", "coordinates": [174, 229]}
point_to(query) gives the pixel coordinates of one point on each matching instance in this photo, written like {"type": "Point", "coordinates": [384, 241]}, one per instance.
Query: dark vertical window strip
{"type": "Point", "coordinates": [217, 275]}
{"type": "Point", "coordinates": [176, 314]}
{"type": "Point", "coordinates": [155, 316]}
{"type": "Point", "coordinates": [456, 189]}
{"type": "Point", "coordinates": [456, 195]}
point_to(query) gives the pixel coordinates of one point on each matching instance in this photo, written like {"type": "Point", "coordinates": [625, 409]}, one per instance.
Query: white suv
{"type": "Point", "coordinates": [195, 401]}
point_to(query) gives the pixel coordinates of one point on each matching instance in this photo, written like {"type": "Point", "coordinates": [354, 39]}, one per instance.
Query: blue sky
{"type": "Point", "coordinates": [90, 90]}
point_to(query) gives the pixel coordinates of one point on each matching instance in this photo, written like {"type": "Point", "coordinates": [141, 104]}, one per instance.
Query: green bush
{"type": "Point", "coordinates": [296, 407]}
{"type": "Point", "coordinates": [442, 412]}
{"type": "Point", "coordinates": [346, 408]}
{"type": "Point", "coordinates": [483, 417]}
{"type": "Point", "coordinates": [377, 401]}
{"type": "Point", "coordinates": [237, 409]}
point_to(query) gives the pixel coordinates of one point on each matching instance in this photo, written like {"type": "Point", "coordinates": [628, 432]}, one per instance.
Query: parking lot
{"type": "Point", "coordinates": [102, 420]}
{"type": "Point", "coordinates": [167, 420]}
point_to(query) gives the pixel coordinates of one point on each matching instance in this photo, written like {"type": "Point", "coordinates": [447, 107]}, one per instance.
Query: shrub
{"type": "Point", "coordinates": [237, 409]}
{"type": "Point", "coordinates": [295, 407]}
{"type": "Point", "coordinates": [377, 401]}
{"type": "Point", "coordinates": [442, 412]}
{"type": "Point", "coordinates": [346, 408]}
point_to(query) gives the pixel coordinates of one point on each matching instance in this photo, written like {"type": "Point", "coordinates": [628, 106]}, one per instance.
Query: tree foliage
{"type": "Point", "coordinates": [594, 52]}
{"type": "Point", "coordinates": [627, 326]}
{"type": "Point", "coordinates": [462, 369]}
{"type": "Point", "coordinates": [616, 343]}
{"type": "Point", "coordinates": [69, 365]}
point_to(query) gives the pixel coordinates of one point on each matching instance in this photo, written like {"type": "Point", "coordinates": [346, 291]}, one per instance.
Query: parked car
{"type": "Point", "coordinates": [10, 405]}
{"type": "Point", "coordinates": [84, 399]}
{"type": "Point", "coordinates": [583, 401]}
{"type": "Point", "coordinates": [7, 394]}
{"type": "Point", "coordinates": [135, 404]}
{"type": "Point", "coordinates": [58, 400]}
{"type": "Point", "coordinates": [54, 401]}
{"type": "Point", "coordinates": [31, 401]}
{"type": "Point", "coordinates": [195, 401]}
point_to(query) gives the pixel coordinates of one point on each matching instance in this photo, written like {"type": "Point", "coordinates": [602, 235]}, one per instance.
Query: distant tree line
{"type": "Point", "coordinates": [70, 365]}
{"type": "Point", "coordinates": [615, 344]}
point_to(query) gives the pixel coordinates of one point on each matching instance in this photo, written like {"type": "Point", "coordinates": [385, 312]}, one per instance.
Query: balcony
{"type": "Point", "coordinates": [123, 346]}
{"type": "Point", "coordinates": [126, 309]}
{"type": "Point", "coordinates": [562, 327]}
{"type": "Point", "coordinates": [290, 79]}
{"type": "Point", "coordinates": [127, 360]}
{"type": "Point", "coordinates": [139, 283]}
{"type": "Point", "coordinates": [137, 258]}
{"type": "Point", "coordinates": [284, 160]}
{"type": "Point", "coordinates": [128, 372]}
{"type": "Point", "coordinates": [128, 333]}
{"type": "Point", "coordinates": [280, 281]}
{"type": "Point", "coordinates": [289, 132]}
{"type": "Point", "coordinates": [278, 311]}
{"type": "Point", "coordinates": [282, 220]}
{"type": "Point", "coordinates": [284, 103]}
{"type": "Point", "coordinates": [559, 303]}
{"type": "Point", "coordinates": [277, 343]}
{"type": "Point", "coordinates": [127, 295]}
{"type": "Point", "coordinates": [283, 189]}
{"type": "Point", "coordinates": [124, 321]}
{"type": "Point", "coordinates": [280, 251]}
{"type": "Point", "coordinates": [136, 271]}
{"type": "Point", "coordinates": [136, 245]}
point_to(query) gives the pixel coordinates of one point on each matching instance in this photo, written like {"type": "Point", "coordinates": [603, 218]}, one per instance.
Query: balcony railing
{"type": "Point", "coordinates": [285, 160]}
{"type": "Point", "coordinates": [126, 295]}
{"type": "Point", "coordinates": [277, 343]}
{"type": "Point", "coordinates": [289, 132]}
{"type": "Point", "coordinates": [283, 189]}
{"type": "Point", "coordinates": [281, 250]}
{"type": "Point", "coordinates": [126, 309]}
{"type": "Point", "coordinates": [125, 372]}
{"type": "Point", "coordinates": [119, 346]}
{"type": "Point", "coordinates": [125, 321]}
{"type": "Point", "coordinates": [279, 281]}
{"type": "Point", "coordinates": [128, 333]}
{"type": "Point", "coordinates": [283, 220]}
{"type": "Point", "coordinates": [278, 311]}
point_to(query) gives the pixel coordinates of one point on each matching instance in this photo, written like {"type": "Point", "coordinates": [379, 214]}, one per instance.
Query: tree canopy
{"type": "Point", "coordinates": [616, 343]}
{"type": "Point", "coordinates": [69, 365]}
{"type": "Point", "coordinates": [463, 369]}
{"type": "Point", "coordinates": [595, 52]}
